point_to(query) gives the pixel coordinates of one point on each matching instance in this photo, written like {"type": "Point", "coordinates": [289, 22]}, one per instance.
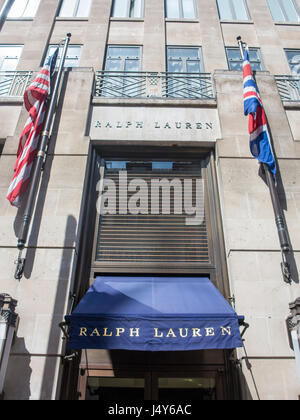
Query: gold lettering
{"type": "Point", "coordinates": [196, 332]}
{"type": "Point", "coordinates": [119, 331]}
{"type": "Point", "coordinates": [186, 332]}
{"type": "Point", "coordinates": [156, 333]}
{"type": "Point", "coordinates": [134, 331]}
{"type": "Point", "coordinates": [227, 330]}
{"type": "Point", "coordinates": [105, 333]}
{"type": "Point", "coordinates": [210, 332]}
{"type": "Point", "coordinates": [95, 332]}
{"type": "Point", "coordinates": [171, 332]}
{"type": "Point", "coordinates": [82, 331]}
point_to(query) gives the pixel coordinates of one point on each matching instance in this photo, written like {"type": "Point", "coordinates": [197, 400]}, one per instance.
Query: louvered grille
{"type": "Point", "coordinates": [162, 239]}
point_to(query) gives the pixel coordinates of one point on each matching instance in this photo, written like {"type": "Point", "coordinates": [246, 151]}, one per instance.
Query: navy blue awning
{"type": "Point", "coordinates": [153, 314]}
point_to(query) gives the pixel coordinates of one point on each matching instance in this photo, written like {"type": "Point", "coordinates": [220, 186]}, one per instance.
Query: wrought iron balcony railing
{"type": "Point", "coordinates": [14, 83]}
{"type": "Point", "coordinates": [111, 84]}
{"type": "Point", "coordinates": [289, 88]}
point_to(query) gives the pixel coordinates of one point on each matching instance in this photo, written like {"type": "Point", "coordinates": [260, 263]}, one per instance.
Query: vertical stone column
{"type": "Point", "coordinates": [154, 49]}
{"type": "Point", "coordinates": [213, 47]}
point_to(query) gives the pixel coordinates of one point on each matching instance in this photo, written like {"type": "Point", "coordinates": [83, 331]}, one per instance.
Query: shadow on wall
{"type": "Point", "coordinates": [18, 375]}
{"type": "Point", "coordinates": [55, 340]}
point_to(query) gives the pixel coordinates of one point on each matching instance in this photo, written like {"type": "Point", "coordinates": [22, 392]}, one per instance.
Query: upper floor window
{"type": "Point", "coordinates": [184, 60]}
{"type": "Point", "coordinates": [233, 10]}
{"type": "Point", "coordinates": [235, 61]}
{"type": "Point", "coordinates": [9, 57]}
{"type": "Point", "coordinates": [121, 58]}
{"type": "Point", "coordinates": [180, 9]}
{"type": "Point", "coordinates": [75, 8]}
{"type": "Point", "coordinates": [23, 8]}
{"type": "Point", "coordinates": [72, 57]}
{"type": "Point", "coordinates": [293, 57]}
{"type": "Point", "coordinates": [284, 10]}
{"type": "Point", "coordinates": [127, 8]}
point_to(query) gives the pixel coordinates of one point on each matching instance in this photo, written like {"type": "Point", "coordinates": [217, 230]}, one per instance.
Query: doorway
{"type": "Point", "coordinates": [176, 386]}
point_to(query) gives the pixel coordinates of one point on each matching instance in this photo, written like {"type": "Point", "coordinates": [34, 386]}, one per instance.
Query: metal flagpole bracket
{"type": "Point", "coordinates": [20, 266]}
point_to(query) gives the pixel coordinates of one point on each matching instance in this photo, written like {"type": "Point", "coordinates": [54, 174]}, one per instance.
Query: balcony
{"type": "Point", "coordinates": [154, 85]}
{"type": "Point", "coordinates": [289, 88]}
{"type": "Point", "coordinates": [14, 83]}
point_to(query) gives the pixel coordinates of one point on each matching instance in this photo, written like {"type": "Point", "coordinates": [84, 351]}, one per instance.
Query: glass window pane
{"type": "Point", "coordinates": [83, 9]}
{"type": "Point", "coordinates": [294, 61]}
{"type": "Point", "coordinates": [240, 10]}
{"type": "Point", "coordinates": [130, 52]}
{"type": "Point", "coordinates": [188, 9]}
{"type": "Point", "coordinates": [9, 57]}
{"type": "Point", "coordinates": [68, 8]}
{"type": "Point", "coordinates": [175, 66]}
{"type": "Point", "coordinates": [31, 8]}
{"type": "Point", "coordinates": [183, 52]}
{"type": "Point", "coordinates": [17, 9]}
{"type": "Point", "coordinates": [235, 60]}
{"type": "Point", "coordinates": [135, 8]}
{"type": "Point", "coordinates": [72, 57]}
{"type": "Point", "coordinates": [9, 64]}
{"type": "Point", "coordinates": [276, 11]}
{"type": "Point", "coordinates": [172, 9]}
{"type": "Point", "coordinates": [291, 11]}
{"type": "Point", "coordinates": [131, 65]}
{"type": "Point", "coordinates": [113, 65]}
{"type": "Point", "coordinates": [193, 66]}
{"type": "Point", "coordinates": [120, 8]}
{"type": "Point", "coordinates": [224, 9]}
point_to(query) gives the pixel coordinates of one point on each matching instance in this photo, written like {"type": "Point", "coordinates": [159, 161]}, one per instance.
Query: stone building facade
{"type": "Point", "coordinates": [249, 257]}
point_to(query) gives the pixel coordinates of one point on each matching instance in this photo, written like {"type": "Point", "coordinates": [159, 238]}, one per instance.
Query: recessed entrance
{"type": "Point", "coordinates": [104, 386]}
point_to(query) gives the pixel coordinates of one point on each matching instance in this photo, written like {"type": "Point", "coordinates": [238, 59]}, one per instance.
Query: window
{"type": "Point", "coordinates": [23, 8]}
{"type": "Point", "coordinates": [122, 59]}
{"type": "Point", "coordinates": [72, 57]}
{"type": "Point", "coordinates": [184, 60]}
{"type": "Point", "coordinates": [9, 57]}
{"type": "Point", "coordinates": [235, 61]}
{"type": "Point", "coordinates": [293, 57]}
{"type": "Point", "coordinates": [180, 9]}
{"type": "Point", "coordinates": [75, 8]}
{"type": "Point", "coordinates": [122, 67]}
{"type": "Point", "coordinates": [127, 8]}
{"type": "Point", "coordinates": [184, 67]}
{"type": "Point", "coordinates": [233, 10]}
{"type": "Point", "coordinates": [284, 10]}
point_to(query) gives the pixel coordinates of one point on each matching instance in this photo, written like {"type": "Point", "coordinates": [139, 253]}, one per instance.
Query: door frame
{"type": "Point", "coordinates": [151, 377]}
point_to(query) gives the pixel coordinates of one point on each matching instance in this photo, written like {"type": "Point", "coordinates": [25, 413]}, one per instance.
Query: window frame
{"type": "Point", "coordinates": [241, 59]}
{"type": "Point", "coordinates": [74, 16]}
{"type": "Point", "coordinates": [202, 70]}
{"type": "Point", "coordinates": [59, 54]}
{"type": "Point", "coordinates": [283, 11]}
{"type": "Point", "coordinates": [128, 11]}
{"type": "Point", "coordinates": [233, 12]}
{"type": "Point", "coordinates": [24, 10]}
{"type": "Point", "coordinates": [181, 11]}
{"type": "Point", "coordinates": [4, 57]}
{"type": "Point", "coordinates": [297, 51]}
{"type": "Point", "coordinates": [123, 59]}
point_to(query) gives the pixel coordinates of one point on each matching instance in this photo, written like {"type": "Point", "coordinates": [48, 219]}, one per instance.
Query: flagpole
{"type": "Point", "coordinates": [278, 213]}
{"type": "Point", "coordinates": [40, 158]}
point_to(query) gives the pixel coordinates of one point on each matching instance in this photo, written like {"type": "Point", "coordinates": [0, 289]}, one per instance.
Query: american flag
{"type": "Point", "coordinates": [260, 144]}
{"type": "Point", "coordinates": [35, 101]}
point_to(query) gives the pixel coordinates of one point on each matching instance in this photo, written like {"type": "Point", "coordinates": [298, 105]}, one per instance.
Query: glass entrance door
{"type": "Point", "coordinates": [198, 386]}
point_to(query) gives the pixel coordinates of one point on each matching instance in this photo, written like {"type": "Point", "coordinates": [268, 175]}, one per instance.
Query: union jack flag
{"type": "Point", "coordinates": [35, 101]}
{"type": "Point", "coordinates": [260, 144]}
